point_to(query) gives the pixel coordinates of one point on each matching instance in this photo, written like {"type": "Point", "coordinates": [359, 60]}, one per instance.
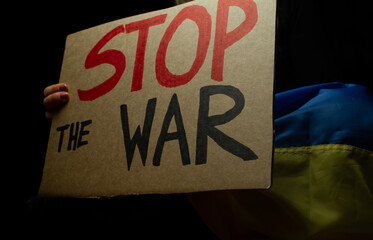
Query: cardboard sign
{"type": "Point", "coordinates": [177, 100]}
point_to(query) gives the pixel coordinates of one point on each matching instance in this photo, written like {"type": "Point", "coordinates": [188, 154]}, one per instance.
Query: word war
{"type": "Point", "coordinates": [206, 127]}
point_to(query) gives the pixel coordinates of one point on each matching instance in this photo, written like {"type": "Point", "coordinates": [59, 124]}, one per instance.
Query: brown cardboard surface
{"type": "Point", "coordinates": [203, 86]}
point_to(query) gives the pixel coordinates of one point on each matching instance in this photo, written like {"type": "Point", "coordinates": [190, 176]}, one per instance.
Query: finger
{"type": "Point", "coordinates": [59, 87]}
{"type": "Point", "coordinates": [49, 116]}
{"type": "Point", "coordinates": [54, 100]}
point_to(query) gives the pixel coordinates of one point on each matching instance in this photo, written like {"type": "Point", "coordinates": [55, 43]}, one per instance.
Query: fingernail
{"type": "Point", "coordinates": [64, 95]}
{"type": "Point", "coordinates": [63, 87]}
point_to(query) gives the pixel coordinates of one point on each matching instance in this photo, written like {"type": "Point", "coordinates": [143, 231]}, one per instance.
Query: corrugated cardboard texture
{"type": "Point", "coordinates": [191, 99]}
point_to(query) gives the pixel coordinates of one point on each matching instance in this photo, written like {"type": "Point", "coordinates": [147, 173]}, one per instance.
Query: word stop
{"type": "Point", "coordinates": [200, 16]}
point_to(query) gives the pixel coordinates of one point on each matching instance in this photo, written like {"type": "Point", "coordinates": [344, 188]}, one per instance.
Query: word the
{"type": "Point", "coordinates": [76, 133]}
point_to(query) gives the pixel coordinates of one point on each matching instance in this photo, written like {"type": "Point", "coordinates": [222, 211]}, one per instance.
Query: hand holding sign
{"type": "Point", "coordinates": [149, 115]}
{"type": "Point", "coordinates": [55, 96]}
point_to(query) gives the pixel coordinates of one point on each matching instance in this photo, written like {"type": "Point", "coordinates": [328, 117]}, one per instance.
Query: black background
{"type": "Point", "coordinates": [316, 42]}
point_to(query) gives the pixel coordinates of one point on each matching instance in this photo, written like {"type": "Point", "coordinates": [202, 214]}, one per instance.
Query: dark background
{"type": "Point", "coordinates": [317, 41]}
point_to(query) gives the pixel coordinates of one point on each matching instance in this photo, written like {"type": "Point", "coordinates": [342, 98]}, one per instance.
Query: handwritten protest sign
{"type": "Point", "coordinates": [177, 100]}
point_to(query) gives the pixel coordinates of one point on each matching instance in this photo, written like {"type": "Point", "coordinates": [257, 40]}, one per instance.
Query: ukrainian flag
{"type": "Point", "coordinates": [322, 172]}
